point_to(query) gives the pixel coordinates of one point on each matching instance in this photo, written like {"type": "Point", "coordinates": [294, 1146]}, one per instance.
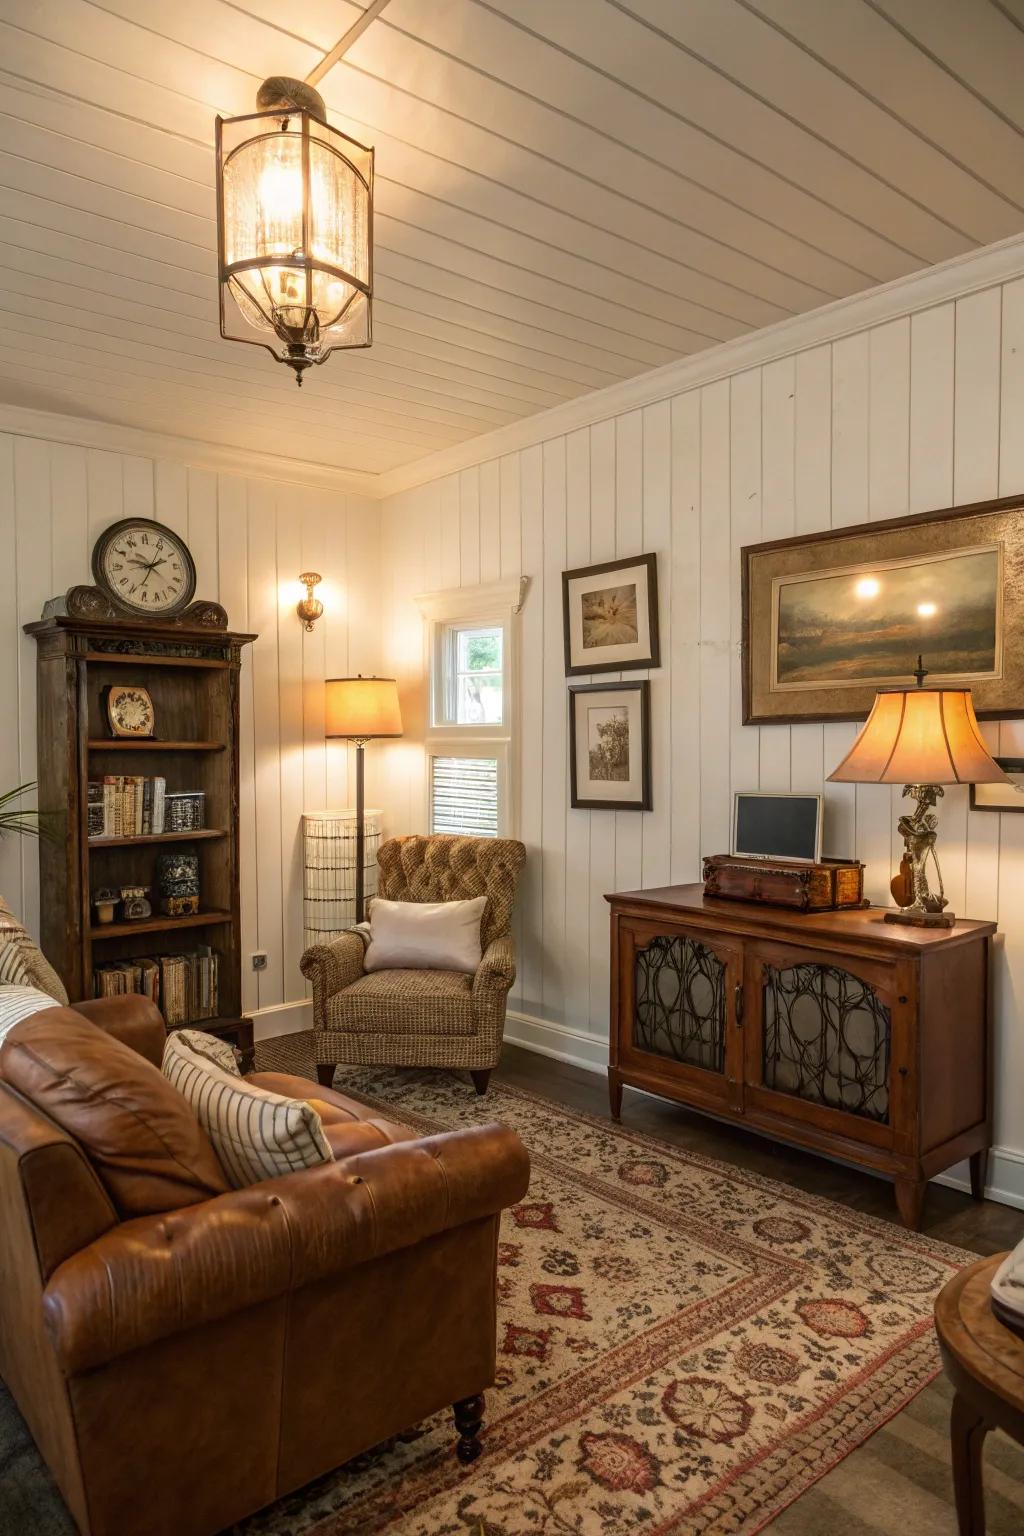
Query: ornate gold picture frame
{"type": "Point", "coordinates": [830, 618]}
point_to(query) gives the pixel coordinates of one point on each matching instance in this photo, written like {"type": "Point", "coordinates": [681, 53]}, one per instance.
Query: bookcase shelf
{"type": "Point", "coordinates": [205, 835]}
{"type": "Point", "coordinates": [157, 924]}
{"type": "Point", "coordinates": [192, 676]}
{"type": "Point", "coordinates": [153, 744]}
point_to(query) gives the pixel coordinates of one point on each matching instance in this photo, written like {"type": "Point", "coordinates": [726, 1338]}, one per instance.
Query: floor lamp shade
{"type": "Point", "coordinates": [361, 709]}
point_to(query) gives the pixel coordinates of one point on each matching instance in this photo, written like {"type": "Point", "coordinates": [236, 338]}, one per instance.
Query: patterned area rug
{"type": "Point", "coordinates": [683, 1346]}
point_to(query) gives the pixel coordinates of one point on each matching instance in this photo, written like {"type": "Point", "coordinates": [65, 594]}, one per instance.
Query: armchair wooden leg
{"type": "Point", "coordinates": [469, 1415]}
{"type": "Point", "coordinates": [325, 1073]}
{"type": "Point", "coordinates": [480, 1080]}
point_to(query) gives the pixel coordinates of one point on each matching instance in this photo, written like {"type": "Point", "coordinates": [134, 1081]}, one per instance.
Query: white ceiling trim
{"type": "Point", "coordinates": [962, 275]}
{"type": "Point", "coordinates": [86, 433]}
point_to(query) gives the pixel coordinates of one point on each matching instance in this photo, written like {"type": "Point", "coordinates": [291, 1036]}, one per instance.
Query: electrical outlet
{"type": "Point", "coordinates": [259, 960]}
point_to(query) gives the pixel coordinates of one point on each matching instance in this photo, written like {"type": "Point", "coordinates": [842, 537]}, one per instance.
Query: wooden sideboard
{"type": "Point", "coordinates": [835, 1031]}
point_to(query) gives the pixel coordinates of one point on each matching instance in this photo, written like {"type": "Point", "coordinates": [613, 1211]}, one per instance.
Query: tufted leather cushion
{"type": "Point", "coordinates": [443, 868]}
{"type": "Point", "coordinates": [143, 1140]}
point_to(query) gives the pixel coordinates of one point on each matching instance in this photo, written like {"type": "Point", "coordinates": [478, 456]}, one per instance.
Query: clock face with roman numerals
{"type": "Point", "coordinates": [144, 567]}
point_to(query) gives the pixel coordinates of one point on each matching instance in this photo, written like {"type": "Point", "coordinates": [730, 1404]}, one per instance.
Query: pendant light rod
{"type": "Point", "coordinates": [345, 42]}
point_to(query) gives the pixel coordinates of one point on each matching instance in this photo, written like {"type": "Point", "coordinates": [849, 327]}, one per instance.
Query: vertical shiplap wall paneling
{"type": "Point", "coordinates": [555, 777]}
{"type": "Point", "coordinates": [290, 640]}
{"type": "Point", "coordinates": [812, 509]}
{"type": "Point", "coordinates": [10, 668]}
{"type": "Point", "coordinates": [744, 490]}
{"type": "Point", "coordinates": [577, 822]}
{"type": "Point", "coordinates": [777, 443]}
{"type": "Point", "coordinates": [715, 608]}
{"type": "Point", "coordinates": [976, 475]}
{"type": "Point", "coordinates": [34, 566]}
{"type": "Point", "coordinates": [656, 826]}
{"type": "Point", "coordinates": [531, 789]}
{"type": "Point", "coordinates": [602, 823]}
{"type": "Point", "coordinates": [250, 540]}
{"type": "Point", "coordinates": [686, 619]}
{"type": "Point", "coordinates": [490, 521]}
{"type": "Point", "coordinates": [629, 540]}
{"type": "Point", "coordinates": [510, 563]}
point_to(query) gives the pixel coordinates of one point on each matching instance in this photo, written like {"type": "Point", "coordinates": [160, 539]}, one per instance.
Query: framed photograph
{"type": "Point", "coordinates": [1001, 797]}
{"type": "Point", "coordinates": [610, 746]}
{"type": "Point", "coordinates": [610, 616]}
{"type": "Point", "coordinates": [830, 618]}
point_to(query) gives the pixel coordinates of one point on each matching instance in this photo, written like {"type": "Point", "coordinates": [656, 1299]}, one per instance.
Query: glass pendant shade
{"type": "Point", "coordinates": [920, 736]}
{"type": "Point", "coordinates": [295, 215]}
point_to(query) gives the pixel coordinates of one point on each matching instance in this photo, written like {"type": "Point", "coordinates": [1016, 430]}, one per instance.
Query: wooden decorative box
{"type": "Point", "coordinates": [821, 887]}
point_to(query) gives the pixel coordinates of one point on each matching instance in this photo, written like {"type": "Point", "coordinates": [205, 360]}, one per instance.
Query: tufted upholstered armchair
{"type": "Point", "coordinates": [422, 1018]}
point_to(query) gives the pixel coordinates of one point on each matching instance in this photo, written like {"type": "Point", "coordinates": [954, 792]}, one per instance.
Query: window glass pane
{"type": "Point", "coordinates": [464, 796]}
{"type": "Point", "coordinates": [479, 699]}
{"type": "Point", "coordinates": [479, 650]}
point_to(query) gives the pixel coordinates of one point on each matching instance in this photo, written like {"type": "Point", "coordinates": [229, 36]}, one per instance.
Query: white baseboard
{"type": "Point", "coordinates": [1005, 1182]}
{"type": "Point", "coordinates": [282, 1019]}
{"type": "Point", "coordinates": [559, 1040]}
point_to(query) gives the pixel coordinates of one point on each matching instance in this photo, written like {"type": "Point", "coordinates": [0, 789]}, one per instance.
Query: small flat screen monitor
{"type": "Point", "coordinates": [783, 826]}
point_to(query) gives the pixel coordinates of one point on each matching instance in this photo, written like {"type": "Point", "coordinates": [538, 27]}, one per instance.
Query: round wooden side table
{"type": "Point", "coordinates": [985, 1362]}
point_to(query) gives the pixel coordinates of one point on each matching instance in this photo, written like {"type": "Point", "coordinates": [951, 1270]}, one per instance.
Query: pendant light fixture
{"type": "Point", "coordinates": [294, 228]}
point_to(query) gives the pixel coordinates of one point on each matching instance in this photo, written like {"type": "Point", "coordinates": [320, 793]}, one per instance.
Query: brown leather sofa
{"type": "Point", "coordinates": [180, 1371]}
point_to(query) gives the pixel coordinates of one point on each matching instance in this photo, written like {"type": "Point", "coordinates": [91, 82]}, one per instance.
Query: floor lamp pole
{"type": "Point", "coordinates": [360, 829]}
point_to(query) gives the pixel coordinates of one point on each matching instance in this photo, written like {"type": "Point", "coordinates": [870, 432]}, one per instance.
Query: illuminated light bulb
{"type": "Point", "coordinates": [927, 610]}
{"type": "Point", "coordinates": [868, 586]}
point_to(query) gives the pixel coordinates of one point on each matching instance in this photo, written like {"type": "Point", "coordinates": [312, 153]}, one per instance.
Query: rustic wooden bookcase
{"type": "Point", "coordinates": [191, 671]}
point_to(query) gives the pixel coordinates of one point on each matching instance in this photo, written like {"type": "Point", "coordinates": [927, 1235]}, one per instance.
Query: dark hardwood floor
{"type": "Point", "coordinates": [981, 1226]}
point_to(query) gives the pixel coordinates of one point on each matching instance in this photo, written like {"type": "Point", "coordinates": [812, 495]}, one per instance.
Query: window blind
{"type": "Point", "coordinates": [464, 796]}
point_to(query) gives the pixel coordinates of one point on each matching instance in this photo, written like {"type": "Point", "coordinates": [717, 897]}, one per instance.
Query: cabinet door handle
{"type": "Point", "coordinates": [737, 1004]}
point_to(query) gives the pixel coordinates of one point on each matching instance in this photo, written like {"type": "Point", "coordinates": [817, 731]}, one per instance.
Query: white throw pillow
{"type": "Point", "coordinates": [17, 1003]}
{"type": "Point", "coordinates": [256, 1135]}
{"type": "Point", "coordinates": [424, 935]}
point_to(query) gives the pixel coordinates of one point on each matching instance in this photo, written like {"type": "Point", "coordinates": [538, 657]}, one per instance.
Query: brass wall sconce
{"type": "Point", "coordinates": [309, 608]}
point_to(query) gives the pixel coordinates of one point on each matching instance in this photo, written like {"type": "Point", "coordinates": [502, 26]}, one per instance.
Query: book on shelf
{"type": "Point", "coordinates": [184, 987]}
{"type": "Point", "coordinates": [126, 805]}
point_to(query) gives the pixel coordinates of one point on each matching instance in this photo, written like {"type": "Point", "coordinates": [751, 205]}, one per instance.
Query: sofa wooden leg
{"type": "Point", "coordinates": [325, 1073]}
{"type": "Point", "coordinates": [480, 1080]}
{"type": "Point", "coordinates": [469, 1415]}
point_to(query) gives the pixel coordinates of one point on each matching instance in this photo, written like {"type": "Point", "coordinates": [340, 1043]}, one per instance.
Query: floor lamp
{"type": "Point", "coordinates": [361, 709]}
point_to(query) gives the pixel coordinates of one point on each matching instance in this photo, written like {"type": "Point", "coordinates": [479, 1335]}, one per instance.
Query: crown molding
{"type": "Point", "coordinates": [86, 433]}
{"type": "Point", "coordinates": [464, 602]}
{"type": "Point", "coordinates": [977, 270]}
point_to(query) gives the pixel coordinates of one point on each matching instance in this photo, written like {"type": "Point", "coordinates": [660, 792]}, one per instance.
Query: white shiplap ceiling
{"type": "Point", "coordinates": [569, 192]}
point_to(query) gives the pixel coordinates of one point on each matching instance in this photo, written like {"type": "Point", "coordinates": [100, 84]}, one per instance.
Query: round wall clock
{"type": "Point", "coordinates": [144, 567]}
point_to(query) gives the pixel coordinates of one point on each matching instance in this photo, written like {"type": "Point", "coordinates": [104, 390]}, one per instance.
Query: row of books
{"type": "Point", "coordinates": [184, 987]}
{"type": "Point", "coordinates": [126, 805]}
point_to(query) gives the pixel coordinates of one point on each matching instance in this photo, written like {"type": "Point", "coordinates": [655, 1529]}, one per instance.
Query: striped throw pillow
{"type": "Point", "coordinates": [17, 1003]}
{"type": "Point", "coordinates": [256, 1135]}
{"type": "Point", "coordinates": [22, 962]}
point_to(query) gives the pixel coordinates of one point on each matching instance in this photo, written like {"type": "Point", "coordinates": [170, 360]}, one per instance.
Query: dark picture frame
{"type": "Point", "coordinates": [647, 643]}
{"type": "Point", "coordinates": [589, 802]}
{"type": "Point", "coordinates": [992, 792]}
{"type": "Point", "coordinates": [946, 540]}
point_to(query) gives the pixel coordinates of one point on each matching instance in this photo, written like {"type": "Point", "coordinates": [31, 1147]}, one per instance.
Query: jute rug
{"type": "Point", "coordinates": [683, 1346]}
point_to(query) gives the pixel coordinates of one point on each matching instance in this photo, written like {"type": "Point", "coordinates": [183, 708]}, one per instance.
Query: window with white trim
{"type": "Point", "coordinates": [473, 710]}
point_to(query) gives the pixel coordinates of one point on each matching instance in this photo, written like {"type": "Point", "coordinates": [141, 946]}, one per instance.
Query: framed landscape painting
{"type": "Point", "coordinates": [610, 616]}
{"type": "Point", "coordinates": [830, 618]}
{"type": "Point", "coordinates": [610, 746]}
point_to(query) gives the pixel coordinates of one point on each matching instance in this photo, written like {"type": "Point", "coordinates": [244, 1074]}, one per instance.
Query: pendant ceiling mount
{"type": "Point", "coordinates": [294, 228]}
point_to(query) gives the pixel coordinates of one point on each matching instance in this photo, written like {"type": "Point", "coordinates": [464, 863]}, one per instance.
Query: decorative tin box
{"type": "Point", "coordinates": [177, 878]}
{"type": "Point", "coordinates": [185, 811]}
